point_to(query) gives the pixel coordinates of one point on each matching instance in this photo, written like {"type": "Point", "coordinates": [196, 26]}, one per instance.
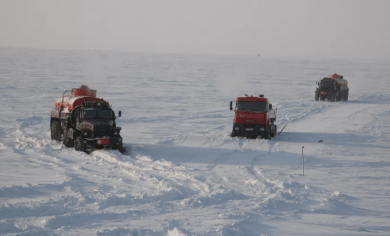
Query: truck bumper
{"type": "Point", "coordinates": [244, 130]}
{"type": "Point", "coordinates": [114, 143]}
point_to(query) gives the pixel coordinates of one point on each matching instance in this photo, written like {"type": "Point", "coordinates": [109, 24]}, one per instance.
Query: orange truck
{"type": "Point", "coordinates": [253, 117]}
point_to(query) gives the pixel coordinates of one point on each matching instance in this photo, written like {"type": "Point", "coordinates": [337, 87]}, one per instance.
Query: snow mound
{"type": "Point", "coordinates": [175, 232]}
{"type": "Point", "coordinates": [129, 232]}
{"type": "Point", "coordinates": [372, 98]}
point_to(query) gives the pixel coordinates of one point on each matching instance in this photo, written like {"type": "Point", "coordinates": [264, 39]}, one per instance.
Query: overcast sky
{"type": "Point", "coordinates": [287, 28]}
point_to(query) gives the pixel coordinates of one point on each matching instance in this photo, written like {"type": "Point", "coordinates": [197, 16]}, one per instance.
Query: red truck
{"type": "Point", "coordinates": [85, 122]}
{"type": "Point", "coordinates": [253, 117]}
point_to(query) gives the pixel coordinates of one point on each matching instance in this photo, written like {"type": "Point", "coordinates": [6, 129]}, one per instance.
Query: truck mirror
{"type": "Point", "coordinates": [231, 105]}
{"type": "Point", "coordinates": [270, 106]}
{"type": "Point", "coordinates": [119, 113]}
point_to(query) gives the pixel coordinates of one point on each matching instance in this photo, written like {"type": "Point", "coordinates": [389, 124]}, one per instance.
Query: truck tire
{"type": "Point", "coordinates": [122, 149]}
{"type": "Point", "coordinates": [339, 97]}
{"type": "Point", "coordinates": [68, 142]}
{"type": "Point", "coordinates": [331, 97]}
{"type": "Point", "coordinates": [79, 144]}
{"type": "Point", "coordinates": [345, 97]}
{"type": "Point", "coordinates": [275, 131]}
{"type": "Point", "coordinates": [267, 136]}
{"type": "Point", "coordinates": [56, 131]}
{"type": "Point", "coordinates": [316, 97]}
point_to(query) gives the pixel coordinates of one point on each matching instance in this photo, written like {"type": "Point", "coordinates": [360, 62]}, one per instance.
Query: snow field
{"type": "Point", "coordinates": [184, 175]}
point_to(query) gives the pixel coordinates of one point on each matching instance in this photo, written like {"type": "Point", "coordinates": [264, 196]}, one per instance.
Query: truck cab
{"type": "Point", "coordinates": [96, 122]}
{"type": "Point", "coordinates": [253, 117]}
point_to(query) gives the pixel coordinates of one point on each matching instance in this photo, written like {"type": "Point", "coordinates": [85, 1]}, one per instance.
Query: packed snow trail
{"type": "Point", "coordinates": [184, 175]}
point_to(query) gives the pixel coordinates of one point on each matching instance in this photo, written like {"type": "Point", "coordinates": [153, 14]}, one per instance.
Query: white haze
{"type": "Point", "coordinates": [282, 28]}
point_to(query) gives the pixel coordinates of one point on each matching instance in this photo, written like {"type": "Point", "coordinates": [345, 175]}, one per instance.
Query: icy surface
{"type": "Point", "coordinates": [184, 175]}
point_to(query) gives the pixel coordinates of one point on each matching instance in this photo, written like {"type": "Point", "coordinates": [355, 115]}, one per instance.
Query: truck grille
{"type": "Point", "coordinates": [102, 131]}
{"type": "Point", "coordinates": [249, 126]}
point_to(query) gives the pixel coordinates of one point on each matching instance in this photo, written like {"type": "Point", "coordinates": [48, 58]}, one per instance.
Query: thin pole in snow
{"type": "Point", "coordinates": [282, 129]}
{"type": "Point", "coordinates": [303, 162]}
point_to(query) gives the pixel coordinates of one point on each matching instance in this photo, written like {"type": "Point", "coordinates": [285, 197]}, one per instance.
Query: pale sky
{"type": "Point", "coordinates": [275, 28]}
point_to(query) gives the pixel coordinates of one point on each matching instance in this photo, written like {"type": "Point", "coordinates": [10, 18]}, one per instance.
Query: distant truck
{"type": "Point", "coordinates": [85, 122]}
{"type": "Point", "coordinates": [332, 88]}
{"type": "Point", "coordinates": [254, 117]}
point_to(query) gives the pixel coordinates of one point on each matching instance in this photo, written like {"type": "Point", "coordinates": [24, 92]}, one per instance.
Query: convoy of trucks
{"type": "Point", "coordinates": [85, 122]}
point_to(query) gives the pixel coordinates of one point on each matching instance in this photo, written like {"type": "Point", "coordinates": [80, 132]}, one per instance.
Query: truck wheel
{"type": "Point", "coordinates": [331, 97]}
{"type": "Point", "coordinates": [316, 97]}
{"type": "Point", "coordinates": [338, 97]}
{"type": "Point", "coordinates": [56, 131]}
{"type": "Point", "coordinates": [346, 96]}
{"type": "Point", "coordinates": [274, 131]}
{"type": "Point", "coordinates": [80, 145]}
{"type": "Point", "coordinates": [122, 149]}
{"type": "Point", "coordinates": [267, 136]}
{"type": "Point", "coordinates": [68, 142]}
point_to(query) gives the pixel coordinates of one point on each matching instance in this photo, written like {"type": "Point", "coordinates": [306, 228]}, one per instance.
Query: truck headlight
{"type": "Point", "coordinates": [116, 133]}
{"type": "Point", "coordinates": [237, 128]}
{"type": "Point", "coordinates": [120, 139]}
{"type": "Point", "coordinates": [261, 129]}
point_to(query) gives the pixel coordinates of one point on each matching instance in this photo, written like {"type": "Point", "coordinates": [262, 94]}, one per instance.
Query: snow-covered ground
{"type": "Point", "coordinates": [184, 175]}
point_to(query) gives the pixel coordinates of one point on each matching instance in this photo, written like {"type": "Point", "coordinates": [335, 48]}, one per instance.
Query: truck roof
{"type": "Point", "coordinates": [69, 103]}
{"type": "Point", "coordinates": [251, 99]}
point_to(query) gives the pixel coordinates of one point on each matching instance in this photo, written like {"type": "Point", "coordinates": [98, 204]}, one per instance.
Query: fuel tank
{"type": "Point", "coordinates": [77, 97]}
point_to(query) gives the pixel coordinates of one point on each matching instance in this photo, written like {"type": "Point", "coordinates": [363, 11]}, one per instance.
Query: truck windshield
{"type": "Point", "coordinates": [93, 114]}
{"type": "Point", "coordinates": [89, 114]}
{"type": "Point", "coordinates": [252, 106]}
{"type": "Point", "coordinates": [105, 114]}
{"type": "Point", "coordinates": [327, 83]}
